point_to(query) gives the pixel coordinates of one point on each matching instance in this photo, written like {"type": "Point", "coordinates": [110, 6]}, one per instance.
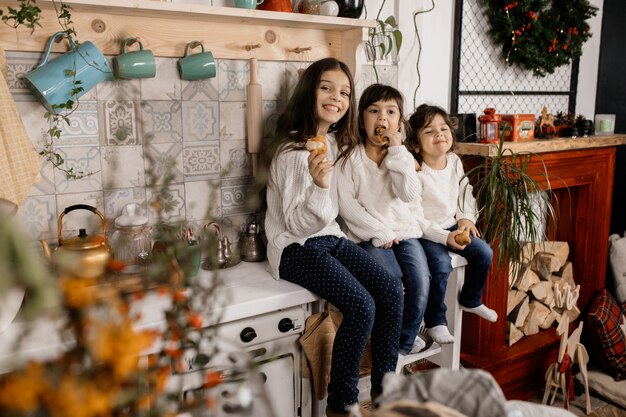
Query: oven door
{"type": "Point", "coordinates": [269, 386]}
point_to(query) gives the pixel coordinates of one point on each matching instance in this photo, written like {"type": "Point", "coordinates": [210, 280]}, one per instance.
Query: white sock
{"type": "Point", "coordinates": [441, 334]}
{"type": "Point", "coordinates": [482, 311]}
{"type": "Point", "coordinates": [418, 345]}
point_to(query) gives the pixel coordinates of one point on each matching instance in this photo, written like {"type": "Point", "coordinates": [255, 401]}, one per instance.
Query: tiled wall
{"type": "Point", "coordinates": [198, 124]}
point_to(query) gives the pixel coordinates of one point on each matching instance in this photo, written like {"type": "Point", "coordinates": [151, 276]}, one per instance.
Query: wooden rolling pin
{"type": "Point", "coordinates": [255, 121]}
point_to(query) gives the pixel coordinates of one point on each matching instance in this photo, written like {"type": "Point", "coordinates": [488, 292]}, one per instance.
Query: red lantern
{"type": "Point", "coordinates": [489, 128]}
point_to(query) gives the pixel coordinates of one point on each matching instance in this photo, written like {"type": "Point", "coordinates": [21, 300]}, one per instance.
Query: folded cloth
{"type": "Point", "coordinates": [19, 161]}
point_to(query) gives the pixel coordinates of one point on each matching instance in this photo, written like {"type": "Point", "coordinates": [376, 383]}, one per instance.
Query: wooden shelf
{"type": "Point", "coordinates": [542, 145]}
{"type": "Point", "coordinates": [165, 28]}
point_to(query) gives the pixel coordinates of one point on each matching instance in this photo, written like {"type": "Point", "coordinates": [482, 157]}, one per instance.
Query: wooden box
{"type": "Point", "coordinates": [517, 127]}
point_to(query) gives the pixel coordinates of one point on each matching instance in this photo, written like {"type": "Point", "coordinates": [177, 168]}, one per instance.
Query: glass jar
{"type": "Point", "coordinates": [131, 241]}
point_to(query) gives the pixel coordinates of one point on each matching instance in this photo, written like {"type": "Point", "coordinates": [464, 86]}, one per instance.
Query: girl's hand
{"type": "Point", "coordinates": [451, 242]}
{"type": "Point", "coordinates": [320, 169]}
{"type": "Point", "coordinates": [393, 136]}
{"type": "Point", "coordinates": [389, 244]}
{"type": "Point", "coordinates": [465, 224]}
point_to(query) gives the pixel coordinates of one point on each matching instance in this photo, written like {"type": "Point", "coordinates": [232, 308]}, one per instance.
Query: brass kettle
{"type": "Point", "coordinates": [80, 256]}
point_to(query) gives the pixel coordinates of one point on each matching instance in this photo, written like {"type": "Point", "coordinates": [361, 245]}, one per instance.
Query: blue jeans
{"type": "Point", "coordinates": [478, 254]}
{"type": "Point", "coordinates": [407, 261]}
{"type": "Point", "coordinates": [370, 299]}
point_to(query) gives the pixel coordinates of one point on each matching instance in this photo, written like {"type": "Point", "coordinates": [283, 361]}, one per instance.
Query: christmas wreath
{"type": "Point", "coordinates": [539, 35]}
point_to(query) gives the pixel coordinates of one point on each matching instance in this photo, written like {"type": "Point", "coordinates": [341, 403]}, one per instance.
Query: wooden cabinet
{"type": "Point", "coordinates": [165, 28]}
{"type": "Point", "coordinates": [581, 177]}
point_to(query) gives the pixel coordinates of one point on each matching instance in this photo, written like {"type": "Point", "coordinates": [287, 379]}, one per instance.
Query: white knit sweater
{"type": "Point", "coordinates": [445, 198]}
{"type": "Point", "coordinates": [297, 209]}
{"type": "Point", "coordinates": [380, 203]}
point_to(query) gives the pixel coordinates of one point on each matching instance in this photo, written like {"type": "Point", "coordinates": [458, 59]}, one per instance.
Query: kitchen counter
{"type": "Point", "coordinates": [245, 290]}
{"type": "Point", "coordinates": [542, 145]}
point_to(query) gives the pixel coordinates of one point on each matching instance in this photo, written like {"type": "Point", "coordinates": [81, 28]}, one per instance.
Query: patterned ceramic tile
{"type": "Point", "coordinates": [84, 159]}
{"type": "Point", "coordinates": [162, 121]}
{"type": "Point", "coordinates": [271, 111]}
{"type": "Point", "coordinates": [200, 90]}
{"type": "Point", "coordinates": [119, 124]}
{"type": "Point", "coordinates": [37, 216]}
{"type": "Point", "coordinates": [365, 79]}
{"type": "Point", "coordinates": [80, 219]}
{"type": "Point", "coordinates": [200, 120]}
{"type": "Point", "coordinates": [272, 77]}
{"type": "Point", "coordinates": [83, 126]}
{"type": "Point", "coordinates": [232, 120]}
{"type": "Point", "coordinates": [119, 90]}
{"type": "Point", "coordinates": [166, 85]}
{"type": "Point", "coordinates": [235, 159]}
{"type": "Point", "coordinates": [19, 65]}
{"type": "Point", "coordinates": [233, 78]}
{"type": "Point", "coordinates": [122, 167]}
{"type": "Point", "coordinates": [115, 200]}
{"type": "Point", "coordinates": [234, 195]}
{"type": "Point", "coordinates": [45, 183]}
{"type": "Point", "coordinates": [35, 124]}
{"type": "Point", "coordinates": [174, 205]}
{"type": "Point", "coordinates": [201, 161]}
{"type": "Point", "coordinates": [202, 201]}
{"type": "Point", "coordinates": [163, 160]}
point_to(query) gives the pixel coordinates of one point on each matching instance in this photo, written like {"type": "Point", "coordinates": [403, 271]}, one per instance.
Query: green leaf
{"type": "Point", "coordinates": [398, 40]}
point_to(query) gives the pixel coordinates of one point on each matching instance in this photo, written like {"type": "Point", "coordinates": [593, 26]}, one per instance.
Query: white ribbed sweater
{"type": "Point", "coordinates": [380, 203]}
{"type": "Point", "coordinates": [445, 198]}
{"type": "Point", "coordinates": [297, 209]}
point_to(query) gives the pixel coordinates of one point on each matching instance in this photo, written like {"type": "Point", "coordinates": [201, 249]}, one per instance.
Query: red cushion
{"type": "Point", "coordinates": [607, 338]}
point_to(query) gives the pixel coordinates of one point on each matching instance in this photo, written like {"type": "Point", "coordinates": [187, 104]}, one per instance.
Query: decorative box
{"type": "Point", "coordinates": [517, 127]}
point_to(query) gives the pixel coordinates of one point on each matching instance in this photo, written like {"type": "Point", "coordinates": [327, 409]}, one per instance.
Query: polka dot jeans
{"type": "Point", "coordinates": [370, 300]}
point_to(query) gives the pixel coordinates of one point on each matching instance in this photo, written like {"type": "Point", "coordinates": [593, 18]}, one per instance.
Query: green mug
{"type": "Point", "coordinates": [247, 4]}
{"type": "Point", "coordinates": [134, 64]}
{"type": "Point", "coordinates": [196, 66]}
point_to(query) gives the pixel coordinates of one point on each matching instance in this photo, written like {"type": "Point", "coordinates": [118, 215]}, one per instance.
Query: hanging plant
{"type": "Point", "coordinates": [539, 35]}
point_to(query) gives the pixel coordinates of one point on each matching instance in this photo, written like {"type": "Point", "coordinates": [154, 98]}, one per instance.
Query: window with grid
{"type": "Point", "coordinates": [482, 78]}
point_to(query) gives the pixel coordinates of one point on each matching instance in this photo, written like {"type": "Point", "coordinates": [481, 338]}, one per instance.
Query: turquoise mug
{"type": "Point", "coordinates": [134, 64]}
{"type": "Point", "coordinates": [55, 82]}
{"type": "Point", "coordinates": [248, 4]}
{"type": "Point", "coordinates": [196, 66]}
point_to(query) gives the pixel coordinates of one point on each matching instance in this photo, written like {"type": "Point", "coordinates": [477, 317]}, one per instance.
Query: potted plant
{"type": "Point", "coordinates": [383, 39]}
{"type": "Point", "coordinates": [514, 208]}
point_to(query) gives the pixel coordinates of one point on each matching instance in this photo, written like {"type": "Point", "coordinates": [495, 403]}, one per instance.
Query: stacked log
{"type": "Point", "coordinates": [536, 298]}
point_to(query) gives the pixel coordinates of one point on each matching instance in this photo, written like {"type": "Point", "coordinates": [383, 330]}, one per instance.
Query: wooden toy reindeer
{"type": "Point", "coordinates": [546, 119]}
{"type": "Point", "coordinates": [559, 374]}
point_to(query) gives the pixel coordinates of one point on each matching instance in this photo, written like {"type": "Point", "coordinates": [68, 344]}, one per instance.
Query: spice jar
{"type": "Point", "coordinates": [131, 240]}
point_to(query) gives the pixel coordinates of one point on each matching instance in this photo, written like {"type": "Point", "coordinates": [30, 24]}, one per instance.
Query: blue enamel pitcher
{"type": "Point", "coordinates": [52, 82]}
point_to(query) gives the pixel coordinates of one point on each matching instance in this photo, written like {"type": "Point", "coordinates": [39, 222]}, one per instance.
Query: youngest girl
{"type": "Point", "coordinates": [449, 210]}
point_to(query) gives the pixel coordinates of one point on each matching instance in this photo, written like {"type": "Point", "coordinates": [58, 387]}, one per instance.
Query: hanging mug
{"type": "Point", "coordinates": [196, 66]}
{"type": "Point", "coordinates": [54, 82]}
{"type": "Point", "coordinates": [134, 64]}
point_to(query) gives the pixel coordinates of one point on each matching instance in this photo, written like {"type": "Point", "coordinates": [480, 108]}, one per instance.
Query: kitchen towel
{"type": "Point", "coordinates": [19, 161]}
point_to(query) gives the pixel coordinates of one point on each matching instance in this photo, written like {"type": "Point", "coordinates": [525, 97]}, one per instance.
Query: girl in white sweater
{"type": "Point", "coordinates": [380, 203]}
{"type": "Point", "coordinates": [449, 210]}
{"type": "Point", "coordinates": [306, 245]}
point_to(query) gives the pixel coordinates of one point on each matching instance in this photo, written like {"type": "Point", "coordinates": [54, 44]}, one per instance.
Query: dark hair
{"type": "Point", "coordinates": [374, 93]}
{"type": "Point", "coordinates": [298, 121]}
{"type": "Point", "coordinates": [422, 116]}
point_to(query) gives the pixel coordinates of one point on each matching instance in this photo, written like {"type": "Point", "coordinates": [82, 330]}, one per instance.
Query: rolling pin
{"type": "Point", "coordinates": [255, 121]}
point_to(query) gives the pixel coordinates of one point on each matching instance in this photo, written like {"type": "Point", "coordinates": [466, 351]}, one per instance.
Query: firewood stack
{"type": "Point", "coordinates": [535, 299]}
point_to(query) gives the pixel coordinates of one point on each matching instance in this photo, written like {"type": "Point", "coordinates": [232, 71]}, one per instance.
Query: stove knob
{"type": "Point", "coordinates": [247, 335]}
{"type": "Point", "coordinates": [285, 325]}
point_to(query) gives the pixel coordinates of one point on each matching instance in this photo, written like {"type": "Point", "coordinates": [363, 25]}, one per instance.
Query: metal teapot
{"type": "Point", "coordinates": [80, 256]}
